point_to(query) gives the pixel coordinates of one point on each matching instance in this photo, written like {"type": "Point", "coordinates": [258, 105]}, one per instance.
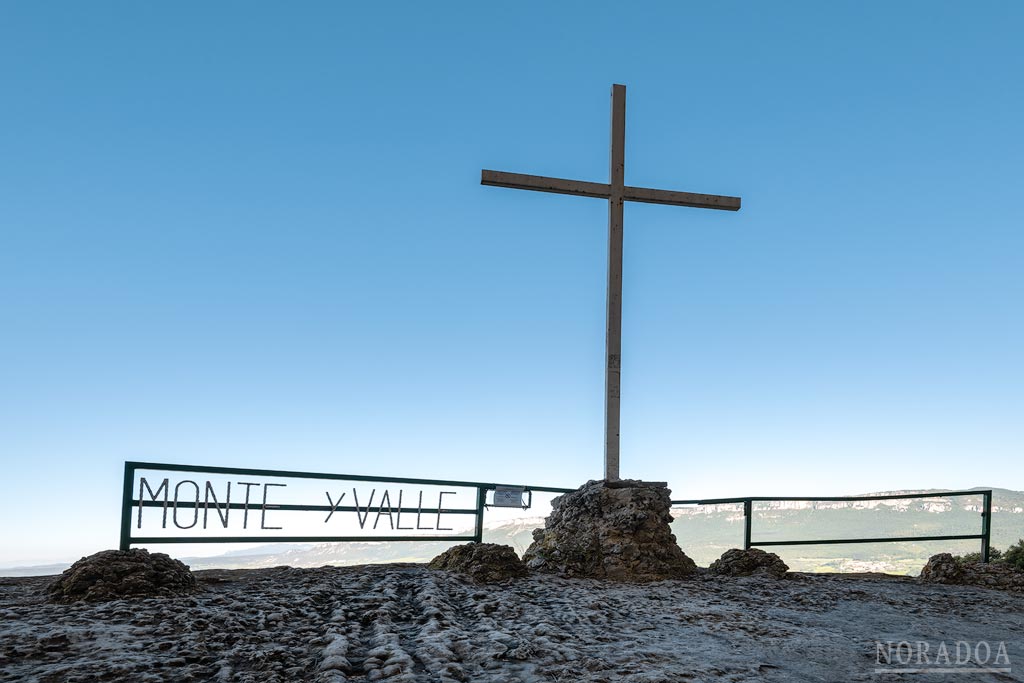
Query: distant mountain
{"type": "Point", "coordinates": [35, 569]}
{"type": "Point", "coordinates": [705, 532]}
{"type": "Point", "coordinates": [517, 533]}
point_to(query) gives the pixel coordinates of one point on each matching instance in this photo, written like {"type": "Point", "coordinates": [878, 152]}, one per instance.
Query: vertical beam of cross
{"type": "Point", "coordinates": [613, 321]}
{"type": "Point", "coordinates": [617, 193]}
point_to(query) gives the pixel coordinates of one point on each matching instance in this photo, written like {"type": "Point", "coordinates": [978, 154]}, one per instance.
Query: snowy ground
{"type": "Point", "coordinates": [408, 623]}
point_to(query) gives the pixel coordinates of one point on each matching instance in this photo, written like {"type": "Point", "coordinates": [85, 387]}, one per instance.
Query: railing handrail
{"type": "Point", "coordinates": [292, 474]}
{"type": "Point", "coordinates": [887, 496]}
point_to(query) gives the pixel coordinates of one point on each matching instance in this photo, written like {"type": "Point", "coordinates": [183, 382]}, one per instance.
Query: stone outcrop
{"type": "Point", "coordinates": [410, 624]}
{"type": "Point", "coordinates": [615, 530]}
{"type": "Point", "coordinates": [752, 562]}
{"type": "Point", "coordinates": [483, 562]}
{"type": "Point", "coordinates": [944, 568]}
{"type": "Point", "coordinates": [116, 574]}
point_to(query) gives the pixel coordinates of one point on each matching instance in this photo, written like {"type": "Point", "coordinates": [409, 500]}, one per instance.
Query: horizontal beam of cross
{"type": "Point", "coordinates": [582, 188]}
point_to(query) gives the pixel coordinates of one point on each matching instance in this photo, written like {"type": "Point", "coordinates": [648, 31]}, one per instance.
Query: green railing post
{"type": "Point", "coordinates": [986, 526]}
{"type": "Point", "coordinates": [748, 509]}
{"type": "Point", "coordinates": [126, 505]}
{"type": "Point", "coordinates": [481, 500]}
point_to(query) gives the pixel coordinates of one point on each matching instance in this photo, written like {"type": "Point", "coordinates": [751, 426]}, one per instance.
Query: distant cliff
{"type": "Point", "coordinates": [707, 531]}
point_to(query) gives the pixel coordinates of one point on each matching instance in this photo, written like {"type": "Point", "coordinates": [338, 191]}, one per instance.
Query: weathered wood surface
{"type": "Point", "coordinates": [616, 192]}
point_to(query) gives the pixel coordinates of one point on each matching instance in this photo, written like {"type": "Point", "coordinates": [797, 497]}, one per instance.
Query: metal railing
{"type": "Point", "coordinates": [748, 503]}
{"type": "Point", "coordinates": [130, 503]}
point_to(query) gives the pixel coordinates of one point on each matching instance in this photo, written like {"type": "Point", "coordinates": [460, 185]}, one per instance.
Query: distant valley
{"type": "Point", "coordinates": [705, 532]}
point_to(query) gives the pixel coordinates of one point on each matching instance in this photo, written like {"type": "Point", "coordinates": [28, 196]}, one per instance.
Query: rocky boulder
{"type": "Point", "coordinates": [116, 574]}
{"type": "Point", "coordinates": [751, 562]}
{"type": "Point", "coordinates": [615, 530]}
{"type": "Point", "coordinates": [944, 568]}
{"type": "Point", "coordinates": [483, 562]}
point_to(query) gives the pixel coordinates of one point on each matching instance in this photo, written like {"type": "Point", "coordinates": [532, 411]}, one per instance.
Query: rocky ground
{"type": "Point", "coordinates": [411, 623]}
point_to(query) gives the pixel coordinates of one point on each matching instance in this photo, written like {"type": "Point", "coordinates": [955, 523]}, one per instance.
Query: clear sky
{"type": "Point", "coordinates": [252, 234]}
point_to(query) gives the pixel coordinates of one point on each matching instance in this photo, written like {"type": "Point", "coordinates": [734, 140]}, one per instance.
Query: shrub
{"type": "Point", "coordinates": [1014, 555]}
{"type": "Point", "coordinates": [994, 555]}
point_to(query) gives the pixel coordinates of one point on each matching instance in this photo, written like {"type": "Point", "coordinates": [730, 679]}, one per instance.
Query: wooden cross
{"type": "Point", "coordinates": [616, 192]}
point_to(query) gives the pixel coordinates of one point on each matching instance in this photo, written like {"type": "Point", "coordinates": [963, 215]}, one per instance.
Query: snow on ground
{"type": "Point", "coordinates": [408, 623]}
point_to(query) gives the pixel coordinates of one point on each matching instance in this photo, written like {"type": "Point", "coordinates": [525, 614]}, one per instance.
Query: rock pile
{"type": "Point", "coordinates": [944, 568]}
{"type": "Point", "coordinates": [116, 574]}
{"type": "Point", "coordinates": [615, 530]}
{"type": "Point", "coordinates": [483, 562]}
{"type": "Point", "coordinates": [752, 562]}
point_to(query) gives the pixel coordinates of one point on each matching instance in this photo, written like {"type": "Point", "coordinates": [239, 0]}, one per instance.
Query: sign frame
{"type": "Point", "coordinates": [129, 503]}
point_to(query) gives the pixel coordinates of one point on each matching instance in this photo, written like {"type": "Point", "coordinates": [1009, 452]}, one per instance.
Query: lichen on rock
{"type": "Point", "coordinates": [610, 530]}
{"type": "Point", "coordinates": [749, 562]}
{"type": "Point", "coordinates": [483, 562]}
{"type": "Point", "coordinates": [117, 574]}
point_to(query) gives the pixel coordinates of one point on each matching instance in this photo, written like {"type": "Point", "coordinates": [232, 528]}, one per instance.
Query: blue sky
{"type": "Point", "coordinates": [252, 234]}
